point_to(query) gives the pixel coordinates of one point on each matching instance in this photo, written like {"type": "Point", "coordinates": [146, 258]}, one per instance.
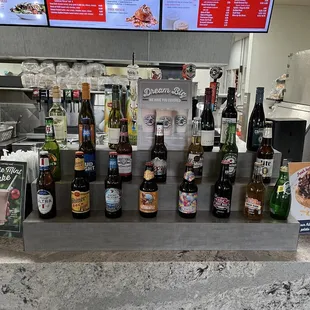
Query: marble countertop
{"type": "Point", "coordinates": [11, 251]}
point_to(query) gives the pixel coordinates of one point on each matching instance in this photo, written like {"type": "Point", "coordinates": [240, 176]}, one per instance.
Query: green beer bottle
{"type": "Point", "coordinates": [280, 201]}
{"type": "Point", "coordinates": [52, 147]}
{"type": "Point", "coordinates": [230, 151]}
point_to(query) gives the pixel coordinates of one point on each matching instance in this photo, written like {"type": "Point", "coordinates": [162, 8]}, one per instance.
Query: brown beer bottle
{"type": "Point", "coordinates": [148, 197]}
{"type": "Point", "coordinates": [255, 195]}
{"type": "Point", "coordinates": [86, 112]}
{"type": "Point", "coordinates": [124, 153]}
{"type": "Point", "coordinates": [46, 189]}
{"type": "Point", "coordinates": [265, 153]}
{"type": "Point", "coordinates": [188, 194]}
{"type": "Point", "coordinates": [80, 203]}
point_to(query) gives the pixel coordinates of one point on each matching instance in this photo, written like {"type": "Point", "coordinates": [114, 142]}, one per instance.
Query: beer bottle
{"type": "Point", "coordinates": [255, 195]}
{"type": "Point", "coordinates": [114, 118]}
{"type": "Point", "coordinates": [86, 112]}
{"type": "Point", "coordinates": [124, 153]}
{"type": "Point", "coordinates": [52, 147]}
{"type": "Point", "coordinates": [256, 122]}
{"type": "Point", "coordinates": [89, 150]}
{"type": "Point", "coordinates": [229, 114]}
{"type": "Point", "coordinates": [280, 200]}
{"type": "Point", "coordinates": [188, 193]}
{"type": "Point", "coordinates": [159, 154]}
{"type": "Point", "coordinates": [113, 189]}
{"type": "Point", "coordinates": [46, 189]}
{"type": "Point", "coordinates": [265, 153]}
{"type": "Point", "coordinates": [230, 151]}
{"type": "Point", "coordinates": [221, 202]}
{"type": "Point", "coordinates": [195, 150]}
{"type": "Point", "coordinates": [148, 196]}
{"type": "Point", "coordinates": [80, 202]}
{"type": "Point", "coordinates": [207, 123]}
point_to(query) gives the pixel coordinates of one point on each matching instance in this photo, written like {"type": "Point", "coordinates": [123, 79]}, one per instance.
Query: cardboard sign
{"type": "Point", "coordinates": [13, 179]}
{"type": "Point", "coordinates": [300, 188]}
{"type": "Point", "coordinates": [169, 101]}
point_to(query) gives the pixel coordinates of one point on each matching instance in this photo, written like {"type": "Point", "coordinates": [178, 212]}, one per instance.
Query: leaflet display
{"type": "Point", "coordinates": [216, 15]}
{"type": "Point", "coordinates": [105, 14]}
{"type": "Point", "coordinates": [17, 12]}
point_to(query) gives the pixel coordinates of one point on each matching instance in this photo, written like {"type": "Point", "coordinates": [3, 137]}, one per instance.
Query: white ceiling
{"type": "Point", "coordinates": [293, 2]}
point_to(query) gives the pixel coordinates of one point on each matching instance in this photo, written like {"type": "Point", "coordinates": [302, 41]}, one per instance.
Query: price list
{"type": "Point", "coordinates": [233, 14]}
{"type": "Point", "coordinates": [82, 10]}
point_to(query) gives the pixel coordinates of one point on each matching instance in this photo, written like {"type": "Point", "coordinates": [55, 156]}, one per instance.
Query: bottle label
{"type": "Point", "coordinates": [79, 164]}
{"type": "Point", "coordinates": [159, 130]}
{"type": "Point", "coordinates": [207, 137]}
{"type": "Point", "coordinates": [113, 199]}
{"type": "Point", "coordinates": [221, 204]}
{"type": "Point", "coordinates": [148, 175]}
{"type": "Point", "coordinates": [267, 133]}
{"type": "Point", "coordinates": [232, 158]}
{"type": "Point", "coordinates": [53, 162]}
{"type": "Point", "coordinates": [113, 135]}
{"type": "Point", "coordinates": [49, 130]}
{"type": "Point", "coordinates": [92, 132]}
{"type": "Point", "coordinates": [86, 133]}
{"type": "Point", "coordinates": [224, 127]}
{"type": "Point", "coordinates": [197, 161]}
{"type": "Point", "coordinates": [267, 167]}
{"type": "Point", "coordinates": [257, 136]}
{"type": "Point", "coordinates": [148, 202]}
{"type": "Point", "coordinates": [90, 162]}
{"type": "Point", "coordinates": [60, 127]}
{"type": "Point", "coordinates": [80, 202]}
{"type": "Point", "coordinates": [45, 201]}
{"type": "Point", "coordinates": [44, 163]}
{"type": "Point", "coordinates": [113, 163]}
{"type": "Point", "coordinates": [253, 206]}
{"type": "Point", "coordinates": [124, 164]}
{"type": "Point", "coordinates": [160, 166]}
{"type": "Point", "coordinates": [188, 202]}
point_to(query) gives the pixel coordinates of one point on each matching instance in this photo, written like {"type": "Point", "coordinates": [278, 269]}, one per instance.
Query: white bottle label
{"type": "Point", "coordinates": [207, 137]}
{"type": "Point", "coordinates": [114, 135]}
{"type": "Point", "coordinates": [124, 164]}
{"type": "Point", "coordinates": [45, 201]}
{"type": "Point", "coordinates": [224, 127]}
{"type": "Point", "coordinates": [60, 127]}
{"type": "Point", "coordinates": [113, 199]}
{"type": "Point", "coordinates": [267, 167]}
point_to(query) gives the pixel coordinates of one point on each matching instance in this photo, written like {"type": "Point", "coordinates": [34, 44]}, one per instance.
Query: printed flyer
{"type": "Point", "coordinates": [13, 178]}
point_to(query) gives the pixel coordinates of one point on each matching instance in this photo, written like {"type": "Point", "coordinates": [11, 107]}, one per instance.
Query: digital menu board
{"type": "Point", "coordinates": [105, 14]}
{"type": "Point", "coordinates": [217, 15]}
{"type": "Point", "coordinates": [18, 12]}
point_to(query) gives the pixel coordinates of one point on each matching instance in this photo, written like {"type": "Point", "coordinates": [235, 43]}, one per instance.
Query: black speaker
{"type": "Point", "coordinates": [288, 137]}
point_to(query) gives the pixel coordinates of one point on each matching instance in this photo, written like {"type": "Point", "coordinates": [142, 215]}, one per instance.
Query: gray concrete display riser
{"type": "Point", "coordinates": [175, 165]}
{"type": "Point", "coordinates": [167, 194]}
{"type": "Point", "coordinates": [167, 231]}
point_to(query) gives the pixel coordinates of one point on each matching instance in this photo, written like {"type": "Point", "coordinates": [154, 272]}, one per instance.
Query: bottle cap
{"type": "Point", "coordinates": [43, 153]}
{"type": "Point", "coordinates": [149, 164]}
{"type": "Point", "coordinates": [112, 153]}
{"type": "Point", "coordinates": [284, 169]}
{"type": "Point", "coordinates": [260, 89]}
{"type": "Point", "coordinates": [85, 86]}
{"type": "Point", "coordinates": [79, 153]}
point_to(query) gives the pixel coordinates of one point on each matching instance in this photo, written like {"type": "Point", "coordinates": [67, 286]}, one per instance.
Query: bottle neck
{"type": "Point", "coordinates": [231, 99]}
{"type": "Point", "coordinates": [257, 176]}
{"type": "Point", "coordinates": [259, 99]}
{"type": "Point", "coordinates": [148, 175]}
{"type": "Point", "coordinates": [231, 137]}
{"type": "Point", "coordinates": [49, 132]}
{"type": "Point", "coordinates": [196, 140]}
{"type": "Point", "coordinates": [86, 133]}
{"type": "Point", "coordinates": [159, 137]}
{"type": "Point", "coordinates": [284, 176]}
{"type": "Point", "coordinates": [207, 103]}
{"type": "Point", "coordinates": [79, 167]}
{"type": "Point", "coordinates": [113, 168]}
{"type": "Point", "coordinates": [267, 137]}
{"type": "Point", "coordinates": [115, 101]}
{"type": "Point", "coordinates": [223, 176]}
{"type": "Point", "coordinates": [56, 102]}
{"type": "Point", "coordinates": [123, 138]}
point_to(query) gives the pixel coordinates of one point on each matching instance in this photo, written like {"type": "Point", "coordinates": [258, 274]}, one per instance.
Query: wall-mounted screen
{"type": "Point", "coordinates": [105, 14]}
{"type": "Point", "coordinates": [26, 13]}
{"type": "Point", "coordinates": [217, 15]}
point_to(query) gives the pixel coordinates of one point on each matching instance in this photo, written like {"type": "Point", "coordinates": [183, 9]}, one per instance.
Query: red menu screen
{"type": "Point", "coordinates": [217, 15]}
{"type": "Point", "coordinates": [104, 14]}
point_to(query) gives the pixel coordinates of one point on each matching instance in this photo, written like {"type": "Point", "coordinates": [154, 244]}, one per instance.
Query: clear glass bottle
{"type": "Point", "coordinates": [59, 115]}
{"type": "Point", "coordinates": [195, 150]}
{"type": "Point", "coordinates": [255, 195]}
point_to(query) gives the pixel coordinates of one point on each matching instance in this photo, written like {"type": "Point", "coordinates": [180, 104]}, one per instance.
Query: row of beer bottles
{"type": "Point", "coordinates": [148, 194]}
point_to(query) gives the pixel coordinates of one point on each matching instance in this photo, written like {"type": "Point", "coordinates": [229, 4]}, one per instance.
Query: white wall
{"type": "Point", "coordinates": [268, 53]}
{"type": "Point", "coordinates": [235, 54]}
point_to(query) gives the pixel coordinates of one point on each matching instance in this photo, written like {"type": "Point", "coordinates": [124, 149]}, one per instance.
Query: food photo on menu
{"type": "Point", "coordinates": [105, 14]}
{"type": "Point", "coordinates": [17, 12]}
